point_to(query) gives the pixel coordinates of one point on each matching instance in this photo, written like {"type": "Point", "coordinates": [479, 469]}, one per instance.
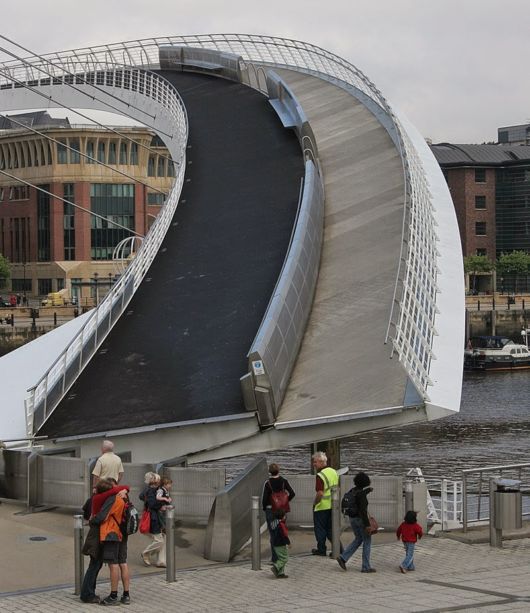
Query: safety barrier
{"type": "Point", "coordinates": [173, 57]}
{"type": "Point", "coordinates": [230, 521]}
{"type": "Point", "coordinates": [46, 479]}
{"type": "Point", "coordinates": [275, 348]}
{"type": "Point", "coordinates": [386, 501]}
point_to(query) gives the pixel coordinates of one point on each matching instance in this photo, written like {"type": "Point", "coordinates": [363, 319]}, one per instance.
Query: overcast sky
{"type": "Point", "coordinates": [457, 68]}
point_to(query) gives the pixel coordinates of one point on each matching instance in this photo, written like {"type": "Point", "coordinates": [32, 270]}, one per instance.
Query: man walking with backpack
{"type": "Point", "coordinates": [277, 494]}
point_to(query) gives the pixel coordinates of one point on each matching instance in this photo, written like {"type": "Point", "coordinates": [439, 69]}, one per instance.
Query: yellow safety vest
{"type": "Point", "coordinates": [330, 479]}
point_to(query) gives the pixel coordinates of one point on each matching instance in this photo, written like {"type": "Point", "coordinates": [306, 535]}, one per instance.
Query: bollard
{"type": "Point", "coordinates": [409, 496]}
{"type": "Point", "coordinates": [495, 535]}
{"type": "Point", "coordinates": [256, 538]}
{"type": "Point", "coordinates": [79, 569]}
{"type": "Point", "coordinates": [335, 521]}
{"type": "Point", "coordinates": [12, 319]}
{"type": "Point", "coordinates": [55, 320]}
{"type": "Point", "coordinates": [170, 545]}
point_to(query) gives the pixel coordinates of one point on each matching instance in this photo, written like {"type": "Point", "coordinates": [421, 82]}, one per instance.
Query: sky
{"type": "Point", "coordinates": [457, 68]}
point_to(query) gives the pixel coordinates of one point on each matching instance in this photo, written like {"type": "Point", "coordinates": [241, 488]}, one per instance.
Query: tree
{"type": "Point", "coordinates": [5, 273]}
{"type": "Point", "coordinates": [515, 263]}
{"type": "Point", "coordinates": [474, 264]}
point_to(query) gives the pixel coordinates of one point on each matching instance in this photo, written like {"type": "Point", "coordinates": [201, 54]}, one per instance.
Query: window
{"type": "Point", "coordinates": [134, 154]}
{"type": "Point", "coordinates": [170, 169]}
{"type": "Point", "coordinates": [482, 252]}
{"type": "Point", "coordinates": [112, 152]}
{"type": "Point", "coordinates": [90, 151]}
{"type": "Point", "coordinates": [101, 152]}
{"type": "Point", "coordinates": [480, 175]}
{"type": "Point", "coordinates": [62, 157]}
{"type": "Point", "coordinates": [18, 192]}
{"type": "Point", "coordinates": [75, 157]}
{"type": "Point", "coordinates": [480, 228]}
{"type": "Point", "coordinates": [504, 136]}
{"type": "Point", "coordinates": [123, 153]}
{"type": "Point", "coordinates": [155, 198]}
{"type": "Point", "coordinates": [45, 287]}
{"type": "Point", "coordinates": [1, 194]}
{"type": "Point", "coordinates": [480, 202]}
{"type": "Point", "coordinates": [43, 229]}
{"type": "Point", "coordinates": [161, 170]}
{"type": "Point", "coordinates": [151, 166]}
{"type": "Point", "coordinates": [60, 283]}
{"type": "Point", "coordinates": [68, 222]}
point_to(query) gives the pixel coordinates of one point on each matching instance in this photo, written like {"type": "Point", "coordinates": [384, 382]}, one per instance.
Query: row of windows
{"type": "Point", "coordinates": [25, 154]}
{"type": "Point", "coordinates": [125, 154]}
{"type": "Point", "coordinates": [163, 166]}
{"type": "Point", "coordinates": [15, 192]}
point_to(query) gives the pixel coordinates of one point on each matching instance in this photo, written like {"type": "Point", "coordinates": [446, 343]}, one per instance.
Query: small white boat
{"type": "Point", "coordinates": [495, 353]}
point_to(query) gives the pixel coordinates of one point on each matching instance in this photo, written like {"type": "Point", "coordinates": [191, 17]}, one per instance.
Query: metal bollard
{"type": "Point", "coordinates": [495, 534]}
{"type": "Point", "coordinates": [409, 496]}
{"type": "Point", "coordinates": [256, 538]}
{"type": "Point", "coordinates": [55, 320]}
{"type": "Point", "coordinates": [79, 563]}
{"type": "Point", "coordinates": [335, 521]}
{"type": "Point", "coordinates": [170, 545]}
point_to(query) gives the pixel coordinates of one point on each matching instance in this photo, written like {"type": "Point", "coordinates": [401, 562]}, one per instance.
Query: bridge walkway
{"type": "Point", "coordinates": [179, 351]}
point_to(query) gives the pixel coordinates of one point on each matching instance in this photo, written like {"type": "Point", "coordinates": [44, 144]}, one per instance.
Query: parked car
{"type": "Point", "coordinates": [4, 302]}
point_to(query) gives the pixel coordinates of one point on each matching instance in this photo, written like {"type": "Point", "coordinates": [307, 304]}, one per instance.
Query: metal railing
{"type": "Point", "coordinates": [413, 311]}
{"type": "Point", "coordinates": [479, 478]}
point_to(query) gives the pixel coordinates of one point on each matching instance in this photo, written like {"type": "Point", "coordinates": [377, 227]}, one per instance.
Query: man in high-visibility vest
{"type": "Point", "coordinates": [326, 478]}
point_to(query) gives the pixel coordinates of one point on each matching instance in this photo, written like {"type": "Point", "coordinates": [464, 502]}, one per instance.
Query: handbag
{"type": "Point", "coordinates": [145, 522]}
{"type": "Point", "coordinates": [374, 526]}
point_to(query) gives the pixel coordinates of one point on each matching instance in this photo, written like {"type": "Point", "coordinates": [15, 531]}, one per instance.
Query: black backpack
{"type": "Point", "coordinates": [348, 504]}
{"type": "Point", "coordinates": [131, 519]}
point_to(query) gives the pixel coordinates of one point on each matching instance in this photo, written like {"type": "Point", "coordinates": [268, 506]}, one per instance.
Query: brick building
{"type": "Point", "coordinates": [53, 245]}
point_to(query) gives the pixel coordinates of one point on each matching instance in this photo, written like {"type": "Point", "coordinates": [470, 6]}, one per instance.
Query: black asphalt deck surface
{"type": "Point", "coordinates": [179, 351]}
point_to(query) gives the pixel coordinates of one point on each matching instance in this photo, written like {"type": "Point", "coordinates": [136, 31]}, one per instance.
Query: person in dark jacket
{"type": "Point", "coordinates": [272, 486]}
{"type": "Point", "coordinates": [158, 544]}
{"type": "Point", "coordinates": [280, 541]}
{"type": "Point", "coordinates": [360, 523]}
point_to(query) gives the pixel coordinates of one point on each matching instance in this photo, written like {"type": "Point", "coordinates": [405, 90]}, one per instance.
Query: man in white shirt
{"type": "Point", "coordinates": [108, 465]}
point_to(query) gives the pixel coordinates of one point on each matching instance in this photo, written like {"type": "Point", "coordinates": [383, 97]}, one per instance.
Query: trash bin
{"type": "Point", "coordinates": [508, 504]}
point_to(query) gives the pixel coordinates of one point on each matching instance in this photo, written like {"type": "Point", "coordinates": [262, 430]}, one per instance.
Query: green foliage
{"type": "Point", "coordinates": [517, 262]}
{"type": "Point", "coordinates": [477, 263]}
{"type": "Point", "coordinates": [4, 270]}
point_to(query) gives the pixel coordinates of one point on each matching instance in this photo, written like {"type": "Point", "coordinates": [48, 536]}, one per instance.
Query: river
{"type": "Point", "coordinates": [493, 427]}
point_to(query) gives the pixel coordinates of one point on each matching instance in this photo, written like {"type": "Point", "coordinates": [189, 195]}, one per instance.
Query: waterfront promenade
{"type": "Point", "coordinates": [450, 576]}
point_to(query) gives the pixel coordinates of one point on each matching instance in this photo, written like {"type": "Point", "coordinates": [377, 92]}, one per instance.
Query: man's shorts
{"type": "Point", "coordinates": [115, 552]}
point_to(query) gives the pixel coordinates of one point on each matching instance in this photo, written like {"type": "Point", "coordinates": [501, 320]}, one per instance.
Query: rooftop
{"type": "Point", "coordinates": [449, 154]}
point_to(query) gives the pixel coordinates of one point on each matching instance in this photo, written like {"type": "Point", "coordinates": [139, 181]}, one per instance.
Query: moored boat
{"type": "Point", "coordinates": [495, 353]}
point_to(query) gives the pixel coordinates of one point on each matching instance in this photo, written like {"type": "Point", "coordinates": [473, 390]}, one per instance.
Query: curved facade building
{"type": "Point", "coordinates": [307, 263]}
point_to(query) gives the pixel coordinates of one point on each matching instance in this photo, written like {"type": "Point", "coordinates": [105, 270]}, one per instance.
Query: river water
{"type": "Point", "coordinates": [493, 427]}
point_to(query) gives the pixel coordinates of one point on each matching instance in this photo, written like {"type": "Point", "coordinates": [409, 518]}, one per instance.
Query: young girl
{"type": "Point", "coordinates": [409, 532]}
{"type": "Point", "coordinates": [162, 493]}
{"type": "Point", "coordinates": [280, 541]}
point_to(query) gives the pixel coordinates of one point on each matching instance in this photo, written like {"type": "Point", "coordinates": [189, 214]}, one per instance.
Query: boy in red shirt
{"type": "Point", "coordinates": [409, 532]}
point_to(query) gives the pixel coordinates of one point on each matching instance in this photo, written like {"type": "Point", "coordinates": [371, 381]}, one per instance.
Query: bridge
{"type": "Point", "coordinates": [303, 281]}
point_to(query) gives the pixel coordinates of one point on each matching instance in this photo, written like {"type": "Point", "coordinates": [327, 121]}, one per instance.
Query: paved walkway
{"type": "Point", "coordinates": [450, 576]}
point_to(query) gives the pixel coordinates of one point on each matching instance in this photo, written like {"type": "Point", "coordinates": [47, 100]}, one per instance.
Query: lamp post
{"type": "Point", "coordinates": [96, 292]}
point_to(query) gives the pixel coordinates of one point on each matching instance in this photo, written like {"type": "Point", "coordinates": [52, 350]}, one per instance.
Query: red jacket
{"type": "Point", "coordinates": [409, 533]}
{"type": "Point", "coordinates": [99, 499]}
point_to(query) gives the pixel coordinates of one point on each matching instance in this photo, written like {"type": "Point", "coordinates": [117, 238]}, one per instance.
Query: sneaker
{"type": "Point", "coordinates": [125, 599]}
{"type": "Point", "coordinates": [145, 559]}
{"type": "Point", "coordinates": [91, 600]}
{"type": "Point", "coordinates": [342, 563]}
{"type": "Point", "coordinates": [109, 601]}
{"type": "Point", "coordinates": [369, 570]}
{"type": "Point", "coordinates": [316, 552]}
{"type": "Point", "coordinates": [274, 571]}
{"type": "Point", "coordinates": [402, 569]}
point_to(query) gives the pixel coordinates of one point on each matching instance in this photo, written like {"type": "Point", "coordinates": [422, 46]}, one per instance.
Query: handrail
{"type": "Point", "coordinates": [413, 310]}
